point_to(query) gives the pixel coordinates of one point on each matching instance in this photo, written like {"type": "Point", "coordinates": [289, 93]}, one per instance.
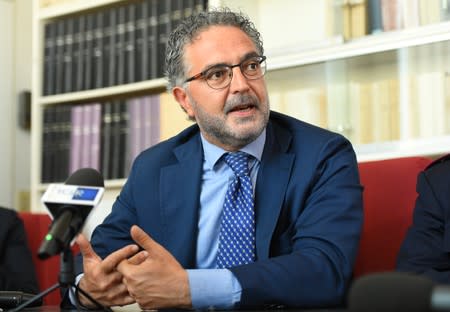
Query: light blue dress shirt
{"type": "Point", "coordinates": [210, 287]}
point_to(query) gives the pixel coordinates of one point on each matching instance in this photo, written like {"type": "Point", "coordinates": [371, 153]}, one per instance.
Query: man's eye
{"type": "Point", "coordinates": [251, 66]}
{"type": "Point", "coordinates": [217, 74]}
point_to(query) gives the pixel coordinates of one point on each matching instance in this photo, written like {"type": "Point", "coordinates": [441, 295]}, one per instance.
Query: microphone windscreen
{"type": "Point", "coordinates": [391, 291]}
{"type": "Point", "coordinates": [86, 177]}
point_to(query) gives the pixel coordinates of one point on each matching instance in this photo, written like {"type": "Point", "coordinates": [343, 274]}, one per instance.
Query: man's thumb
{"type": "Point", "coordinates": [86, 248]}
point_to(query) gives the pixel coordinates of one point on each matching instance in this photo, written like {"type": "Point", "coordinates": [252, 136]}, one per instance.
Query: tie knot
{"type": "Point", "coordinates": [238, 162]}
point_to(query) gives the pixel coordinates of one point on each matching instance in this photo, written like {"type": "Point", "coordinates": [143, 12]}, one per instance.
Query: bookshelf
{"type": "Point", "coordinates": [373, 88]}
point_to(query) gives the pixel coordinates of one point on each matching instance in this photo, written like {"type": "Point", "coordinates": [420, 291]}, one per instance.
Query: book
{"type": "Point", "coordinates": [124, 131]}
{"type": "Point", "coordinates": [106, 139]}
{"type": "Point", "coordinates": [64, 136]}
{"type": "Point", "coordinates": [429, 11]}
{"type": "Point", "coordinates": [97, 50]}
{"type": "Point", "coordinates": [361, 113]}
{"type": "Point", "coordinates": [75, 138]}
{"type": "Point", "coordinates": [358, 16]}
{"type": "Point", "coordinates": [155, 126]}
{"type": "Point", "coordinates": [375, 18]}
{"type": "Point", "coordinates": [130, 44]}
{"type": "Point", "coordinates": [115, 144]}
{"type": "Point", "coordinates": [95, 132]}
{"type": "Point", "coordinates": [68, 55]}
{"type": "Point", "coordinates": [141, 42]}
{"type": "Point", "coordinates": [391, 14]}
{"type": "Point", "coordinates": [49, 58]}
{"type": "Point", "coordinates": [411, 14]}
{"type": "Point", "coordinates": [120, 46]}
{"type": "Point", "coordinates": [86, 136]}
{"type": "Point", "coordinates": [47, 136]}
{"type": "Point", "coordinates": [134, 146]}
{"type": "Point", "coordinates": [152, 39]}
{"type": "Point", "coordinates": [172, 118]}
{"type": "Point", "coordinates": [164, 29]}
{"type": "Point", "coordinates": [78, 52]}
{"type": "Point", "coordinates": [109, 47]}
{"type": "Point", "coordinates": [307, 104]}
{"type": "Point", "coordinates": [59, 57]}
{"type": "Point", "coordinates": [338, 108]}
{"type": "Point", "coordinates": [88, 52]}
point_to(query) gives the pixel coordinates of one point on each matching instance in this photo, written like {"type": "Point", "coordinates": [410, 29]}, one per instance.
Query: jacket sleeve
{"type": "Point", "coordinates": [323, 231]}
{"type": "Point", "coordinates": [426, 247]}
{"type": "Point", "coordinates": [16, 266]}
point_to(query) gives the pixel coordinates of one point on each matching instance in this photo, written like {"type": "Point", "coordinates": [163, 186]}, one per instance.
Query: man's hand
{"type": "Point", "coordinates": [101, 279]}
{"type": "Point", "coordinates": [154, 278]}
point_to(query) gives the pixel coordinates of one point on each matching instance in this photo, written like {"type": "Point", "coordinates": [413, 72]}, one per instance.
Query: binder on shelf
{"type": "Point", "coordinates": [75, 138]}
{"type": "Point", "coordinates": [123, 138]}
{"type": "Point", "coordinates": [115, 144]}
{"type": "Point", "coordinates": [78, 52]}
{"type": "Point", "coordinates": [59, 58]}
{"type": "Point", "coordinates": [95, 140]}
{"type": "Point", "coordinates": [164, 29]}
{"type": "Point", "coordinates": [152, 39]}
{"type": "Point", "coordinates": [49, 58]}
{"type": "Point", "coordinates": [68, 55]}
{"type": "Point", "coordinates": [375, 16]}
{"type": "Point", "coordinates": [120, 46]}
{"type": "Point", "coordinates": [97, 50]}
{"type": "Point", "coordinates": [135, 133]}
{"type": "Point", "coordinates": [130, 43]}
{"type": "Point", "coordinates": [141, 43]}
{"type": "Point", "coordinates": [87, 55]}
{"type": "Point", "coordinates": [106, 139]}
{"type": "Point", "coordinates": [109, 47]}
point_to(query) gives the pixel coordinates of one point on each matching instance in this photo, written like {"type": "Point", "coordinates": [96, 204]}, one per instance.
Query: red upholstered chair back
{"type": "Point", "coordinates": [389, 197]}
{"type": "Point", "coordinates": [47, 271]}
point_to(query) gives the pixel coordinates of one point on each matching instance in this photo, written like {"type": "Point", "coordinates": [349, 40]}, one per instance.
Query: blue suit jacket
{"type": "Point", "coordinates": [308, 206]}
{"type": "Point", "coordinates": [426, 248]}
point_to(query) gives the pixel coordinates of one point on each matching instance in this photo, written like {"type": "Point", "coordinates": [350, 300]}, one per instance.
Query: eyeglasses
{"type": "Point", "coordinates": [219, 76]}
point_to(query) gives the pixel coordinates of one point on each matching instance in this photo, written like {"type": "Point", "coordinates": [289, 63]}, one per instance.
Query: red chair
{"type": "Point", "coordinates": [389, 197]}
{"type": "Point", "coordinates": [47, 271]}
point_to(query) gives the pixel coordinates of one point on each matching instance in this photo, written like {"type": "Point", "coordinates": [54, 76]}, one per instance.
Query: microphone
{"type": "Point", "coordinates": [69, 205]}
{"type": "Point", "coordinates": [398, 291]}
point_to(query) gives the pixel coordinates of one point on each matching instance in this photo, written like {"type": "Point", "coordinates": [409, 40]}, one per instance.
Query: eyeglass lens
{"type": "Point", "coordinates": [220, 76]}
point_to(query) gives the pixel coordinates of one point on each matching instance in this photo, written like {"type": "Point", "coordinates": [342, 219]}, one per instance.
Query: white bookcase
{"type": "Point", "coordinates": [389, 93]}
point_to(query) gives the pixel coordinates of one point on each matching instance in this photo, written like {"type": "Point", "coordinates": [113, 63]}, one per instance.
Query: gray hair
{"type": "Point", "coordinates": [190, 27]}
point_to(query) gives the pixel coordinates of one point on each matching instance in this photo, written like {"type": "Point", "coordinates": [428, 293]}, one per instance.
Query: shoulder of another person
{"type": "Point", "coordinates": [438, 161]}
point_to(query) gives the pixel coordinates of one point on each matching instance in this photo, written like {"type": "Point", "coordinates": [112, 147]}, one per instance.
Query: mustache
{"type": "Point", "coordinates": [240, 100]}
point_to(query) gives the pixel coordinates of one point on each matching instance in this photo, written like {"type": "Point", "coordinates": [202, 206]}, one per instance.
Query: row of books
{"type": "Point", "coordinates": [104, 136]}
{"type": "Point", "coordinates": [113, 46]}
{"type": "Point", "coordinates": [362, 17]}
{"type": "Point", "coordinates": [373, 111]}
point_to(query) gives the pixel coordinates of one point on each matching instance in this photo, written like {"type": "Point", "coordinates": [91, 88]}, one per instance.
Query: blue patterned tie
{"type": "Point", "coordinates": [237, 232]}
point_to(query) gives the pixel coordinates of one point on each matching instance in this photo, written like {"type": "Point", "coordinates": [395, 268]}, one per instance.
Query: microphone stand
{"type": "Point", "coordinates": [66, 280]}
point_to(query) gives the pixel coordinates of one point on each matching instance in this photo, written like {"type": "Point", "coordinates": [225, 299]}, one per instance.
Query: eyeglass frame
{"type": "Point", "coordinates": [202, 74]}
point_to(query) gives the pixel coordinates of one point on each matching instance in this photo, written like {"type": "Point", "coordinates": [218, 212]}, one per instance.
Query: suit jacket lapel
{"type": "Point", "coordinates": [273, 176]}
{"type": "Point", "coordinates": [180, 195]}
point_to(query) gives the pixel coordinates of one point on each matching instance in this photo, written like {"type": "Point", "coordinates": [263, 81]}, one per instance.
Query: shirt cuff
{"type": "Point", "coordinates": [72, 299]}
{"type": "Point", "coordinates": [214, 289]}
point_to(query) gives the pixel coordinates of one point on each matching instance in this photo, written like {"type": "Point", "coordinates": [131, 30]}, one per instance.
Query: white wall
{"type": "Point", "coordinates": [15, 68]}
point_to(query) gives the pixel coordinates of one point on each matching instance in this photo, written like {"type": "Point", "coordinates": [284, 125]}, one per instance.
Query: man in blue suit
{"type": "Point", "coordinates": [306, 192]}
{"type": "Point", "coordinates": [426, 247]}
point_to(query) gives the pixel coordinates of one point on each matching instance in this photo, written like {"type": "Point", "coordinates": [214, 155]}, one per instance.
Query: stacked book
{"type": "Point", "coordinates": [111, 46]}
{"type": "Point", "coordinates": [105, 136]}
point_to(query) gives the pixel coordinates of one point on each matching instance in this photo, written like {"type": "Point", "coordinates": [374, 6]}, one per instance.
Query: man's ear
{"type": "Point", "coordinates": [182, 98]}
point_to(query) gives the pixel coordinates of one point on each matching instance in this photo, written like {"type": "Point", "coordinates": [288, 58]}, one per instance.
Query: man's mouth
{"type": "Point", "coordinates": [242, 108]}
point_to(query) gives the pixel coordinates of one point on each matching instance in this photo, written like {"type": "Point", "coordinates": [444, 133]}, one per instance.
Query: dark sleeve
{"type": "Point", "coordinates": [324, 236]}
{"type": "Point", "coordinates": [16, 264]}
{"type": "Point", "coordinates": [426, 248]}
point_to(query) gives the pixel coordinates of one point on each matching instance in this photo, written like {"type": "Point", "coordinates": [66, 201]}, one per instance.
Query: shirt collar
{"type": "Point", "coordinates": [212, 153]}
